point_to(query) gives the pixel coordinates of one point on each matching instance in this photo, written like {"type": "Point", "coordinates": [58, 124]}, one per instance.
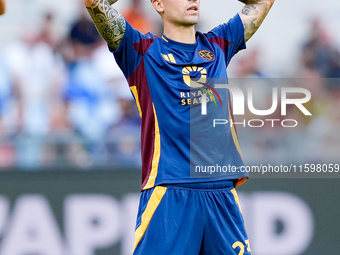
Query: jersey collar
{"type": "Point", "coordinates": [178, 45]}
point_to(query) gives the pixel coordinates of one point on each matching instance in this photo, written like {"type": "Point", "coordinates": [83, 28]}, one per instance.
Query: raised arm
{"type": "Point", "coordinates": [253, 14]}
{"type": "Point", "coordinates": [109, 22]}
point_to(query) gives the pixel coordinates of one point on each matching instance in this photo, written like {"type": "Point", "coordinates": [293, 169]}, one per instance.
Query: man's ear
{"type": "Point", "coordinates": [158, 5]}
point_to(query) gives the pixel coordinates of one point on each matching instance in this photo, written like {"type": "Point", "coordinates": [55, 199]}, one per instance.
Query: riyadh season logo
{"type": "Point", "coordinates": [196, 77]}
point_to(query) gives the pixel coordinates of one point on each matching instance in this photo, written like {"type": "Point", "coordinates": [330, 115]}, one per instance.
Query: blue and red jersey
{"type": "Point", "coordinates": [177, 140]}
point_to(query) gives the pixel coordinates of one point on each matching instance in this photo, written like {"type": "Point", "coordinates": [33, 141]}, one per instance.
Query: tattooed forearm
{"type": "Point", "coordinates": [253, 14]}
{"type": "Point", "coordinates": [110, 23]}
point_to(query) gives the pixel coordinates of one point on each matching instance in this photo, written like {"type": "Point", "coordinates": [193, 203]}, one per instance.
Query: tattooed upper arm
{"type": "Point", "coordinates": [253, 14]}
{"type": "Point", "coordinates": [109, 22]}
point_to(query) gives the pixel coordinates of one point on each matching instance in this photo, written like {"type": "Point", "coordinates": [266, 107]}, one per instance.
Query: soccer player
{"type": "Point", "coordinates": [188, 203]}
{"type": "Point", "coordinates": [2, 6]}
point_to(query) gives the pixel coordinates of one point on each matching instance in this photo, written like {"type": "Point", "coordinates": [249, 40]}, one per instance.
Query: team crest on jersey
{"type": "Point", "coordinates": [206, 54]}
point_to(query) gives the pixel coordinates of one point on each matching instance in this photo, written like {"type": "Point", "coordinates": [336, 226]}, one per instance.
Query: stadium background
{"type": "Point", "coordinates": [69, 131]}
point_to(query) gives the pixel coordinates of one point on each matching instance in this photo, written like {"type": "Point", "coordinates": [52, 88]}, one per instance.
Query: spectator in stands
{"type": "Point", "coordinates": [137, 18]}
{"type": "Point", "coordinates": [91, 108]}
{"type": "Point", "coordinates": [318, 54]}
{"type": "Point", "coordinates": [46, 33]}
{"type": "Point", "coordinates": [249, 66]}
{"type": "Point", "coordinates": [35, 71]}
{"type": "Point", "coordinates": [5, 95]}
{"type": "Point", "coordinates": [249, 69]}
{"type": "Point", "coordinates": [323, 143]}
{"type": "Point", "coordinates": [123, 143]}
{"type": "Point", "coordinates": [62, 147]}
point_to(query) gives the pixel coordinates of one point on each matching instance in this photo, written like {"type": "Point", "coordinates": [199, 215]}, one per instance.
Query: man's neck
{"type": "Point", "coordinates": [180, 33]}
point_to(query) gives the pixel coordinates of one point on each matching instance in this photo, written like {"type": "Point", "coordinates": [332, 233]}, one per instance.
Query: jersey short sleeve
{"type": "Point", "coordinates": [131, 49]}
{"type": "Point", "coordinates": [230, 37]}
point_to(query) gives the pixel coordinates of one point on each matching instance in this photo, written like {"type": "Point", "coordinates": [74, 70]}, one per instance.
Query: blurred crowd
{"type": "Point", "coordinates": [316, 139]}
{"type": "Point", "coordinates": [65, 103]}
{"type": "Point", "coordinates": [64, 100]}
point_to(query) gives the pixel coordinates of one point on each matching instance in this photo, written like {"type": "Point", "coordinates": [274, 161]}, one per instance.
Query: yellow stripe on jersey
{"type": "Point", "coordinates": [166, 57]}
{"type": "Point", "coordinates": [169, 58]}
{"type": "Point", "coordinates": [234, 135]}
{"type": "Point", "coordinates": [164, 39]}
{"type": "Point", "coordinates": [172, 59]}
{"type": "Point", "coordinates": [236, 198]}
{"type": "Point", "coordinates": [150, 209]}
{"type": "Point", "coordinates": [156, 155]}
{"type": "Point", "coordinates": [135, 94]}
